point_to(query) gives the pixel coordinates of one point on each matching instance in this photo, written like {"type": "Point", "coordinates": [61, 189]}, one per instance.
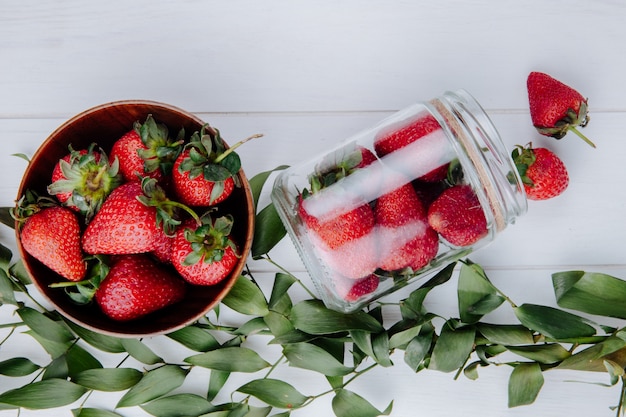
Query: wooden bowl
{"type": "Point", "coordinates": [104, 124]}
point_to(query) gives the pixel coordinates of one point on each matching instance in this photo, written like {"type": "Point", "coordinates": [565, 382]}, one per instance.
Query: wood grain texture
{"type": "Point", "coordinates": [310, 74]}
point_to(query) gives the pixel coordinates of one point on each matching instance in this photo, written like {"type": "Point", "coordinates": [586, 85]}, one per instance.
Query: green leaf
{"type": "Point", "coordinates": [50, 393]}
{"type": "Point", "coordinates": [591, 359]}
{"type": "Point", "coordinates": [309, 356]}
{"type": "Point", "coordinates": [18, 271]}
{"type": "Point", "coordinates": [452, 348]}
{"type": "Point", "coordinates": [6, 218]}
{"type": "Point", "coordinates": [258, 181]}
{"type": "Point", "coordinates": [100, 341]}
{"type": "Point", "coordinates": [547, 353]}
{"type": "Point", "coordinates": [274, 392]}
{"type": "Point", "coordinates": [108, 379]}
{"type": "Point", "coordinates": [55, 349]}
{"type": "Point", "coordinates": [553, 323]}
{"type": "Point", "coordinates": [592, 293]}
{"type": "Point", "coordinates": [403, 332]}
{"type": "Point", "coordinates": [312, 317]}
{"type": "Point", "coordinates": [45, 327]}
{"type": "Point", "coordinates": [230, 359]}
{"type": "Point", "coordinates": [154, 384]}
{"type": "Point", "coordinates": [195, 338]}
{"type": "Point", "coordinates": [505, 334]}
{"type": "Point", "coordinates": [18, 367]}
{"type": "Point", "coordinates": [417, 349]}
{"type": "Point", "coordinates": [476, 295]}
{"type": "Point", "coordinates": [282, 283]}
{"type": "Point", "coordinates": [268, 231]}
{"type": "Point", "coordinates": [246, 297]}
{"type": "Point", "coordinates": [348, 404]}
{"type": "Point", "coordinates": [93, 412]}
{"type": "Point", "coordinates": [78, 360]}
{"type": "Point", "coordinates": [217, 380]}
{"type": "Point", "coordinates": [5, 257]}
{"type": "Point", "coordinates": [525, 383]}
{"type": "Point", "coordinates": [7, 295]}
{"type": "Point", "coordinates": [278, 324]}
{"type": "Point", "coordinates": [140, 351]}
{"type": "Point", "coordinates": [178, 405]}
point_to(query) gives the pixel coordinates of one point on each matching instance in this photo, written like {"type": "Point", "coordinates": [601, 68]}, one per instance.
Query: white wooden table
{"type": "Point", "coordinates": [309, 74]}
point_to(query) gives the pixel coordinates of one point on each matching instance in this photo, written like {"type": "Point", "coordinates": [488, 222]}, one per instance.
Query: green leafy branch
{"type": "Point", "coordinates": [312, 338]}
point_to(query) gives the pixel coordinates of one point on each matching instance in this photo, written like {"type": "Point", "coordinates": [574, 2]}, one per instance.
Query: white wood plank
{"type": "Point", "coordinates": [60, 57]}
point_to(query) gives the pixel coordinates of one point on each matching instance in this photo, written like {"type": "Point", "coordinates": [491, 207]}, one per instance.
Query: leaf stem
{"type": "Point", "coordinates": [271, 261]}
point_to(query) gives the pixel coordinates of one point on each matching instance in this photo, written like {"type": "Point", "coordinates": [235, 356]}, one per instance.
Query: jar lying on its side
{"type": "Point", "coordinates": [398, 202]}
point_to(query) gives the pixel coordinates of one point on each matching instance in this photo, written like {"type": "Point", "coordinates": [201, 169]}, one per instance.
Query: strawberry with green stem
{"type": "Point", "coordinates": [203, 250]}
{"type": "Point", "coordinates": [83, 179]}
{"type": "Point", "coordinates": [556, 108]}
{"type": "Point", "coordinates": [147, 150]}
{"type": "Point", "coordinates": [205, 173]}
{"type": "Point", "coordinates": [543, 173]}
{"type": "Point", "coordinates": [132, 220]}
{"type": "Point", "coordinates": [51, 234]}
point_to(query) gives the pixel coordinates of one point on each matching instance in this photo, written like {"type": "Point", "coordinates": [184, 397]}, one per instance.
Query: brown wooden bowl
{"type": "Point", "coordinates": [104, 124]}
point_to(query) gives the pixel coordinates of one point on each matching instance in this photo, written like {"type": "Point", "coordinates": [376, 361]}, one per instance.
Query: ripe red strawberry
{"type": "Point", "coordinates": [52, 236]}
{"type": "Point", "coordinates": [83, 179]}
{"type": "Point", "coordinates": [204, 174]}
{"type": "Point", "coordinates": [136, 286]}
{"type": "Point", "coordinates": [458, 216]}
{"type": "Point", "coordinates": [204, 254]}
{"type": "Point", "coordinates": [556, 108]}
{"type": "Point", "coordinates": [395, 138]}
{"type": "Point", "coordinates": [146, 150]}
{"type": "Point", "coordinates": [123, 225]}
{"type": "Point", "coordinates": [340, 222]}
{"type": "Point", "coordinates": [352, 290]}
{"type": "Point", "coordinates": [543, 173]}
{"type": "Point", "coordinates": [405, 239]}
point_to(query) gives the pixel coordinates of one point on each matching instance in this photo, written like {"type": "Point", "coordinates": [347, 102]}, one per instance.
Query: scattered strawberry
{"type": "Point", "coordinates": [543, 173]}
{"type": "Point", "coordinates": [83, 179]}
{"type": "Point", "coordinates": [205, 253]}
{"type": "Point", "coordinates": [204, 174]}
{"type": "Point", "coordinates": [146, 150]}
{"type": "Point", "coordinates": [556, 108]}
{"type": "Point", "coordinates": [123, 225]}
{"type": "Point", "coordinates": [351, 290]}
{"type": "Point", "coordinates": [136, 286]}
{"type": "Point", "coordinates": [405, 239]}
{"type": "Point", "coordinates": [458, 216]}
{"type": "Point", "coordinates": [51, 234]}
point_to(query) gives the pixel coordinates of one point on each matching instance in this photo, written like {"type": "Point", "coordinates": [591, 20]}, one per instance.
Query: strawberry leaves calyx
{"type": "Point", "coordinates": [524, 157]}
{"type": "Point", "coordinates": [82, 292]}
{"type": "Point", "coordinates": [167, 210]}
{"type": "Point", "coordinates": [89, 177]}
{"type": "Point", "coordinates": [161, 151]}
{"type": "Point", "coordinates": [29, 204]}
{"type": "Point", "coordinates": [210, 239]}
{"type": "Point", "coordinates": [209, 156]}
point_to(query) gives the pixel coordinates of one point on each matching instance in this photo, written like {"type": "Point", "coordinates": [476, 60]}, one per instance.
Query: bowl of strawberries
{"type": "Point", "coordinates": [134, 218]}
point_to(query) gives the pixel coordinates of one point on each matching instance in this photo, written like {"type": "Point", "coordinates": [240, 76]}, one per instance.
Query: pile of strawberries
{"type": "Point", "coordinates": [362, 241]}
{"type": "Point", "coordinates": [109, 227]}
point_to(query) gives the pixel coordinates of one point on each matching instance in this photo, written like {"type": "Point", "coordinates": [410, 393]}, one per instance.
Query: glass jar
{"type": "Point", "coordinates": [400, 201]}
